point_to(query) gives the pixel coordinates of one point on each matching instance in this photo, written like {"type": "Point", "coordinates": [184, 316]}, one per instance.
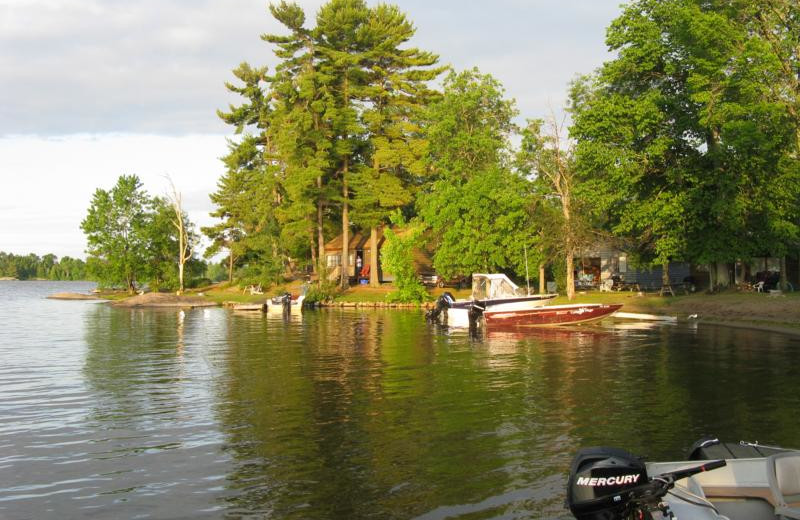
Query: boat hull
{"type": "Point", "coordinates": [551, 315]}
{"type": "Point", "coordinates": [458, 313]}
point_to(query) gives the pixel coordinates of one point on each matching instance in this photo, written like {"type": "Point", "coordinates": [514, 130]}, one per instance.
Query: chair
{"type": "Point", "coordinates": [783, 476]}
{"type": "Point", "coordinates": [607, 285]}
{"type": "Point", "coordinates": [759, 286]}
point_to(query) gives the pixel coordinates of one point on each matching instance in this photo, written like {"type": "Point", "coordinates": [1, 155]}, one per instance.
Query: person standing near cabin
{"type": "Point", "coordinates": [358, 266]}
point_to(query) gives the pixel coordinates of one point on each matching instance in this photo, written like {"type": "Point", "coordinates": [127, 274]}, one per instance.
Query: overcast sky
{"type": "Point", "coordinates": [92, 89]}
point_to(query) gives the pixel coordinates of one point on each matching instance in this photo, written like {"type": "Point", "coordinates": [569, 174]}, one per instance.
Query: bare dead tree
{"type": "Point", "coordinates": [551, 159]}
{"type": "Point", "coordinates": [179, 221]}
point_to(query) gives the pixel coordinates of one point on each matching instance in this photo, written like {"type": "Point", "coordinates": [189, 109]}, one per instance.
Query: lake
{"type": "Point", "coordinates": [142, 413]}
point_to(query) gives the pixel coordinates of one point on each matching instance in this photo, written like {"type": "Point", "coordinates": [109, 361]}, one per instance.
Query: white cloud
{"type": "Point", "coordinates": [159, 66]}
{"type": "Point", "coordinates": [46, 184]}
{"type": "Point", "coordinates": [93, 89]}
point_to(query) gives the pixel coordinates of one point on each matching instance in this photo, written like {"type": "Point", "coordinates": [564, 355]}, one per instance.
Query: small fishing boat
{"type": "Point", "coordinates": [550, 315]}
{"type": "Point", "coordinates": [491, 293]}
{"type": "Point", "coordinates": [287, 303]}
{"type": "Point", "coordinates": [719, 481]}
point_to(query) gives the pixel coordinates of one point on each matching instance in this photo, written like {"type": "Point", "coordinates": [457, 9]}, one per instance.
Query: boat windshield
{"type": "Point", "coordinates": [492, 287]}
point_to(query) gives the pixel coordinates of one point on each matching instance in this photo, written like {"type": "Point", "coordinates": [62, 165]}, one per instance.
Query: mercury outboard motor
{"type": "Point", "coordinates": [597, 479]}
{"type": "Point", "coordinates": [443, 303]}
{"type": "Point", "coordinates": [611, 484]}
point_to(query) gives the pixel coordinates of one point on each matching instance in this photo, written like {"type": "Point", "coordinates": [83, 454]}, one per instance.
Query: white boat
{"type": "Point", "coordinates": [286, 303]}
{"type": "Point", "coordinates": [491, 293]}
{"type": "Point", "coordinates": [721, 481]}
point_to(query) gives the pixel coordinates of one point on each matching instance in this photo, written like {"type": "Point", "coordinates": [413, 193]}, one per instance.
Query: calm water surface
{"type": "Point", "coordinates": [118, 413]}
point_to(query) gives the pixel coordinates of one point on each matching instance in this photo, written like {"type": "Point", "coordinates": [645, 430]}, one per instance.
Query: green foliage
{"type": "Point", "coordinates": [217, 271]}
{"type": "Point", "coordinates": [48, 267]}
{"type": "Point", "coordinates": [476, 206]}
{"type": "Point", "coordinates": [684, 139]}
{"type": "Point", "coordinates": [325, 291]}
{"type": "Point", "coordinates": [397, 256]}
{"type": "Point", "coordinates": [116, 232]}
{"type": "Point", "coordinates": [131, 238]}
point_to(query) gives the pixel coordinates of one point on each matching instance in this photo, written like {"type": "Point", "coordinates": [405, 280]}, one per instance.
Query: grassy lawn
{"type": "Point", "coordinates": [221, 293]}
{"type": "Point", "coordinates": [733, 307]}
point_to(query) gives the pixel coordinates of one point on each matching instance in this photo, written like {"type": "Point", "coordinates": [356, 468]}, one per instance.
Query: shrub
{"type": "Point", "coordinates": [397, 258]}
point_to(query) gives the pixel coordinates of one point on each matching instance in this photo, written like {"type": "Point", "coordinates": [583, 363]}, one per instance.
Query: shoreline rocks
{"type": "Point", "coordinates": [74, 296]}
{"type": "Point", "coordinates": [164, 300]}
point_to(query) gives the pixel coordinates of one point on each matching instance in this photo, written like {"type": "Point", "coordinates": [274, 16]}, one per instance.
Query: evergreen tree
{"type": "Point", "coordinates": [395, 92]}
{"type": "Point", "coordinates": [302, 132]}
{"type": "Point", "coordinates": [342, 41]}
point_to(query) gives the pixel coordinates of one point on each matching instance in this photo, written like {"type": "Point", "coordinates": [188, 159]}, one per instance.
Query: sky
{"type": "Point", "coordinates": [93, 89]}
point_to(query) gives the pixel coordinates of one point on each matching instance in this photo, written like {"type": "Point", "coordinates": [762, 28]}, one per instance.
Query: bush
{"type": "Point", "coordinates": [322, 292]}
{"type": "Point", "coordinates": [397, 258]}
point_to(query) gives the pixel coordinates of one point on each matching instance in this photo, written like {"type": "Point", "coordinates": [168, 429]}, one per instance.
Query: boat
{"type": "Point", "coordinates": [250, 307]}
{"type": "Point", "coordinates": [287, 303]}
{"type": "Point", "coordinates": [491, 293]}
{"type": "Point", "coordinates": [550, 315]}
{"type": "Point", "coordinates": [719, 481]}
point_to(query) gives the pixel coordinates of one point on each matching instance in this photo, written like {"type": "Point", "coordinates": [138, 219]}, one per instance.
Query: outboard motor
{"type": "Point", "coordinates": [284, 300]}
{"type": "Point", "coordinates": [598, 480]}
{"type": "Point", "coordinates": [612, 484]}
{"type": "Point", "coordinates": [443, 303]}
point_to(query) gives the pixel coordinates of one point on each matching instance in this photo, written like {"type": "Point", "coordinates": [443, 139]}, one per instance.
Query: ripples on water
{"type": "Point", "coordinates": [118, 413]}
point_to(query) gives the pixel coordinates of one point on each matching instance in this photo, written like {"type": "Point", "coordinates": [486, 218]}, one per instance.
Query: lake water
{"type": "Point", "coordinates": [119, 413]}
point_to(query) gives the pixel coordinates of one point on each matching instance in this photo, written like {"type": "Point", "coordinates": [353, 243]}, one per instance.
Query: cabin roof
{"type": "Point", "coordinates": [356, 241]}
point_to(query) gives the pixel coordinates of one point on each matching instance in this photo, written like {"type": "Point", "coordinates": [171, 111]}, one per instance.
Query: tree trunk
{"type": "Point", "coordinates": [783, 284]}
{"type": "Point", "coordinates": [182, 254]}
{"type": "Point", "coordinates": [570, 249]}
{"type": "Point", "coordinates": [373, 257]}
{"type": "Point", "coordinates": [665, 274]}
{"type": "Point", "coordinates": [180, 277]}
{"type": "Point", "coordinates": [712, 276]}
{"type": "Point", "coordinates": [542, 281]}
{"type": "Point", "coordinates": [345, 264]}
{"type": "Point", "coordinates": [570, 276]}
{"type": "Point", "coordinates": [314, 262]}
{"type": "Point", "coordinates": [322, 271]}
{"type": "Point", "coordinates": [230, 267]}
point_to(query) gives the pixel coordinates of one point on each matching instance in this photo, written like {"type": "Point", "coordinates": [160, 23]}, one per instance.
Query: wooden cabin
{"type": "Point", "coordinates": [359, 255]}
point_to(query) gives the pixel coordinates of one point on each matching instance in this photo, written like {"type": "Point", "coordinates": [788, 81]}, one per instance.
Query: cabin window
{"type": "Point", "coordinates": [623, 264]}
{"type": "Point", "coordinates": [334, 260]}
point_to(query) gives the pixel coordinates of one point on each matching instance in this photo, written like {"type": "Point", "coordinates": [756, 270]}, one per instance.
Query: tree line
{"type": "Point", "coordinates": [683, 147]}
{"type": "Point", "coordinates": [47, 267]}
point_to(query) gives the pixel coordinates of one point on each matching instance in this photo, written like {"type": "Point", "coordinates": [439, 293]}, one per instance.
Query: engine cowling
{"type": "Point", "coordinates": [598, 480]}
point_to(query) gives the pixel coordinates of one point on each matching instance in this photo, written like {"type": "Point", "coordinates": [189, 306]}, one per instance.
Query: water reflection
{"type": "Point", "coordinates": [353, 414]}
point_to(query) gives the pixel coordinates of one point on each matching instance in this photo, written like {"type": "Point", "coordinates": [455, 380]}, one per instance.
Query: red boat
{"type": "Point", "coordinates": [552, 315]}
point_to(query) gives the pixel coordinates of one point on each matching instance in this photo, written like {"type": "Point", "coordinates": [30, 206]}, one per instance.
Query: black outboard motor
{"type": "Point", "coordinates": [612, 484]}
{"type": "Point", "coordinates": [597, 481]}
{"type": "Point", "coordinates": [284, 300]}
{"type": "Point", "coordinates": [443, 303]}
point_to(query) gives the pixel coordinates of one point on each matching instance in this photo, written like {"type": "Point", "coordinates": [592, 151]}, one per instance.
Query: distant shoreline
{"type": "Point", "coordinates": [10, 279]}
